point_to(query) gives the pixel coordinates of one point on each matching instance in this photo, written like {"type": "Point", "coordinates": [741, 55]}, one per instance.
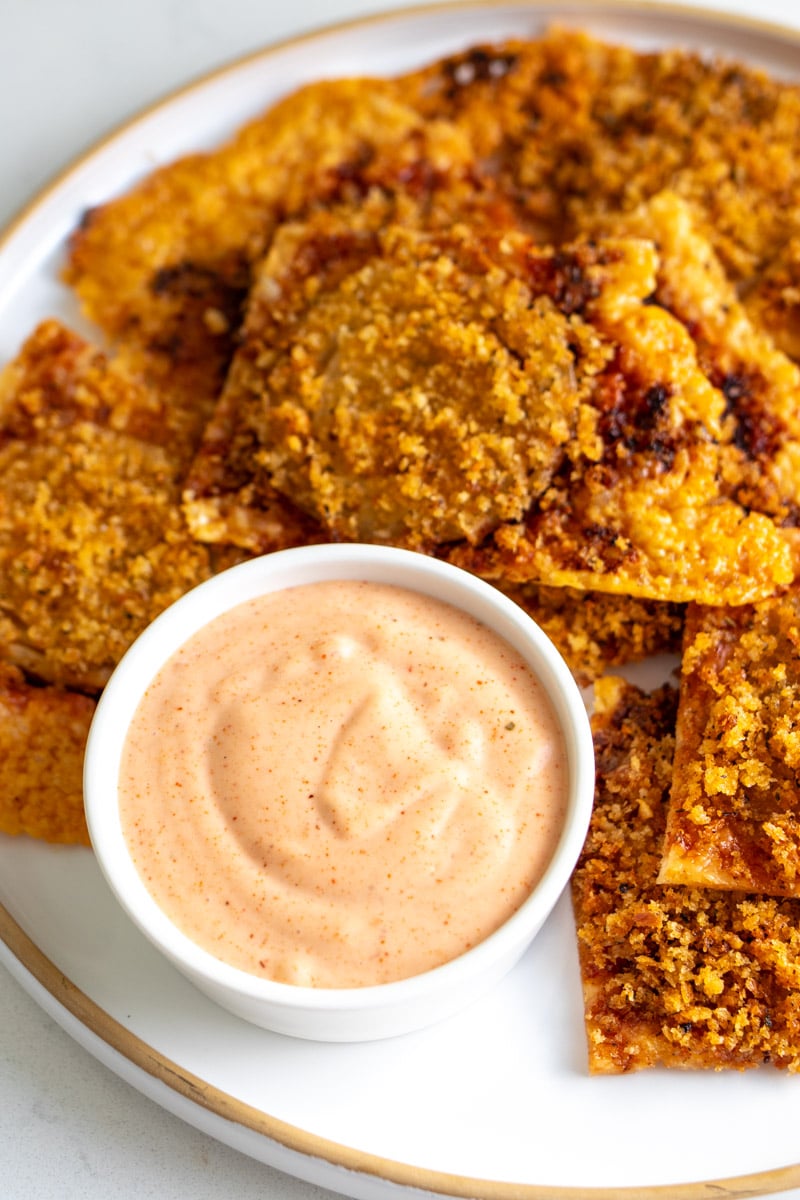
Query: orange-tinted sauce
{"type": "Point", "coordinates": [342, 784]}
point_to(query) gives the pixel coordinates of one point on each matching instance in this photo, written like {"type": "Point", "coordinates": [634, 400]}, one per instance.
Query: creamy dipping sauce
{"type": "Point", "coordinates": [342, 784]}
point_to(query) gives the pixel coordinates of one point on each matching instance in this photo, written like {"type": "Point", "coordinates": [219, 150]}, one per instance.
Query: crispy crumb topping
{"type": "Point", "coordinates": [675, 976]}
{"type": "Point", "coordinates": [93, 544]}
{"type": "Point", "coordinates": [598, 630]}
{"type": "Point", "coordinates": [734, 816]}
{"type": "Point", "coordinates": [43, 733]}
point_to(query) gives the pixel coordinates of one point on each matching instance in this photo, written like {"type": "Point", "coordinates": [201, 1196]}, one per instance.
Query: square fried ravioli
{"type": "Point", "coordinates": [760, 461]}
{"type": "Point", "coordinates": [526, 412]}
{"type": "Point", "coordinates": [734, 814]}
{"type": "Point", "coordinates": [165, 268]}
{"type": "Point", "coordinates": [43, 733]}
{"type": "Point", "coordinates": [674, 976]}
{"type": "Point", "coordinates": [404, 385]}
{"type": "Point", "coordinates": [697, 466]}
{"type": "Point", "coordinates": [93, 544]}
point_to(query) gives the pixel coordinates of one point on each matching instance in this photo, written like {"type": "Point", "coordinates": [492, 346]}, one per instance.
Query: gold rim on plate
{"type": "Point", "coordinates": [157, 1066]}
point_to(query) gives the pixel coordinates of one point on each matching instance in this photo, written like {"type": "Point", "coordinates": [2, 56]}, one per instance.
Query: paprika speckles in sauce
{"type": "Point", "coordinates": [342, 784]}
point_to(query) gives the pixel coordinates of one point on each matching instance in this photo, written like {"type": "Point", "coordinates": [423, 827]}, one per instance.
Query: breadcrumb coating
{"type": "Point", "coordinates": [528, 412]}
{"type": "Point", "coordinates": [674, 976]}
{"type": "Point", "coordinates": [642, 506]}
{"type": "Point", "coordinates": [165, 268]}
{"type": "Point", "coordinates": [416, 387]}
{"type": "Point", "coordinates": [578, 129]}
{"type": "Point", "coordinates": [772, 298]}
{"type": "Point", "coordinates": [43, 733]}
{"type": "Point", "coordinates": [734, 814]}
{"type": "Point", "coordinates": [567, 132]}
{"type": "Point", "coordinates": [570, 129]}
{"type": "Point", "coordinates": [761, 385]}
{"type": "Point", "coordinates": [230, 494]}
{"type": "Point", "coordinates": [594, 631]}
{"type": "Point", "coordinates": [93, 544]}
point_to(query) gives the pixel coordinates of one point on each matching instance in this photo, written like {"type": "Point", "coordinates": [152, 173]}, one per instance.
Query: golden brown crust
{"type": "Point", "coordinates": [569, 129]}
{"type": "Point", "coordinates": [164, 269]}
{"type": "Point", "coordinates": [92, 541]}
{"type": "Point", "coordinates": [43, 733]}
{"type": "Point", "coordinates": [528, 413]}
{"type": "Point", "coordinates": [595, 630]}
{"type": "Point", "coordinates": [563, 133]}
{"type": "Point", "coordinates": [643, 506]}
{"type": "Point", "coordinates": [578, 129]}
{"type": "Point", "coordinates": [734, 815]}
{"type": "Point", "coordinates": [760, 462]}
{"type": "Point", "coordinates": [677, 477]}
{"type": "Point", "coordinates": [412, 386]}
{"type": "Point", "coordinates": [674, 976]}
{"type": "Point", "coordinates": [772, 298]}
{"type": "Point", "coordinates": [737, 440]}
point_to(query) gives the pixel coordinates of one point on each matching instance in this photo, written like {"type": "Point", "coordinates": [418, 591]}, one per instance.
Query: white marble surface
{"type": "Point", "coordinates": [71, 70]}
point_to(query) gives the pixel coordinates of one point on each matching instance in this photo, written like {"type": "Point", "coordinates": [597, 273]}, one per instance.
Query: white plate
{"type": "Point", "coordinates": [495, 1103]}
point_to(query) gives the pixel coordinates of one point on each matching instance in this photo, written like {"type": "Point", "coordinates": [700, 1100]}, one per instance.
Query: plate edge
{"type": "Point", "coordinates": [79, 1005]}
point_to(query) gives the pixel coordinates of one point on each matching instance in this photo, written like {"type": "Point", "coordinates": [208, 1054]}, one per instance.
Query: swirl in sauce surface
{"type": "Point", "coordinates": [342, 784]}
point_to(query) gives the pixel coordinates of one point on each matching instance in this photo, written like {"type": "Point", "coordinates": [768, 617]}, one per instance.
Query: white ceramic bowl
{"type": "Point", "coordinates": [341, 1014]}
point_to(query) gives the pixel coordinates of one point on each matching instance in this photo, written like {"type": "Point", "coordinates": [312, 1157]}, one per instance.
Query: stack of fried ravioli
{"type": "Point", "coordinates": [533, 310]}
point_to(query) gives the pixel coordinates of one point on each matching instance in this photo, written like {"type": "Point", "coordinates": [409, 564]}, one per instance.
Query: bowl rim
{"type": "Point", "coordinates": [279, 571]}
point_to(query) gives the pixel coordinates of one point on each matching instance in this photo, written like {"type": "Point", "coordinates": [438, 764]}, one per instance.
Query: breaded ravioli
{"type": "Point", "coordinates": [734, 813]}
{"type": "Point", "coordinates": [680, 977]}
{"type": "Point", "coordinates": [93, 544]}
{"type": "Point", "coordinates": [165, 268]}
{"type": "Point", "coordinates": [531, 413]}
{"type": "Point", "coordinates": [760, 383]}
{"type": "Point", "coordinates": [567, 128]}
{"type": "Point", "coordinates": [411, 386]}
{"type": "Point", "coordinates": [578, 129]}
{"type": "Point", "coordinates": [43, 733]}
{"type": "Point", "coordinates": [645, 503]}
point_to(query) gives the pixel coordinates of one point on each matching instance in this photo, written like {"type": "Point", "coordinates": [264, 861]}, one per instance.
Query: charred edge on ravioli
{"type": "Point", "coordinates": [598, 548]}
{"type": "Point", "coordinates": [213, 294]}
{"type": "Point", "coordinates": [758, 432]}
{"type": "Point", "coordinates": [417, 177]}
{"type": "Point", "coordinates": [564, 277]}
{"type": "Point", "coordinates": [634, 417]}
{"type": "Point", "coordinates": [478, 65]}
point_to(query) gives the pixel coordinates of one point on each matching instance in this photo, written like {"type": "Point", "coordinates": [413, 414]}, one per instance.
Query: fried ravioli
{"type": "Point", "coordinates": [674, 976]}
{"type": "Point", "coordinates": [579, 129]}
{"type": "Point", "coordinates": [734, 814]}
{"type": "Point", "coordinates": [164, 269]}
{"type": "Point", "coordinates": [695, 472]}
{"type": "Point", "coordinates": [643, 505]}
{"type": "Point", "coordinates": [43, 733]}
{"type": "Point", "coordinates": [92, 541]}
{"type": "Point", "coordinates": [569, 129]}
{"type": "Point", "coordinates": [528, 412]}
{"type": "Point", "coordinates": [772, 298]}
{"type": "Point", "coordinates": [410, 386]}
{"type": "Point", "coordinates": [761, 385]}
